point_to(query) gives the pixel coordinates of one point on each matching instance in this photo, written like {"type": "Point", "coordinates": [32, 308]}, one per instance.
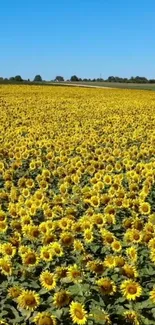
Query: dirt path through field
{"type": "Point", "coordinates": [79, 85]}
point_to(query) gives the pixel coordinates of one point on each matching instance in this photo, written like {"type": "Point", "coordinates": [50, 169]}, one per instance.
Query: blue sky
{"type": "Point", "coordinates": [84, 37]}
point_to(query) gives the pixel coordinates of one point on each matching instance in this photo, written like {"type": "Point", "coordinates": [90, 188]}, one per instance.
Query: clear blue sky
{"type": "Point", "coordinates": [84, 37]}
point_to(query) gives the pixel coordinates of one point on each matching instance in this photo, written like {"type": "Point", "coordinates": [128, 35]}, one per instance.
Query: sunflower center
{"type": "Point", "coordinates": [132, 290]}
{"type": "Point", "coordinates": [49, 280]}
{"type": "Point", "coordinates": [67, 240]}
{"type": "Point", "coordinates": [57, 250]}
{"type": "Point", "coordinates": [79, 314]}
{"type": "Point", "coordinates": [98, 268]}
{"type": "Point", "coordinates": [6, 268]}
{"type": "Point", "coordinates": [145, 208]}
{"type": "Point", "coordinates": [109, 239]}
{"type": "Point", "coordinates": [136, 236]}
{"type": "Point", "coordinates": [116, 246]}
{"type": "Point", "coordinates": [46, 255]}
{"type": "Point", "coordinates": [106, 287]}
{"type": "Point", "coordinates": [99, 221]}
{"type": "Point", "coordinates": [75, 274]}
{"type": "Point", "coordinates": [45, 320]}
{"type": "Point", "coordinates": [88, 236]}
{"type": "Point", "coordinates": [30, 301]}
{"type": "Point", "coordinates": [35, 233]}
{"type": "Point", "coordinates": [8, 250]}
{"type": "Point", "coordinates": [30, 259]}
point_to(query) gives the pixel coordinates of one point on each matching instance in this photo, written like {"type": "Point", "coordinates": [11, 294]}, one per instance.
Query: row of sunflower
{"type": "Point", "coordinates": [77, 206]}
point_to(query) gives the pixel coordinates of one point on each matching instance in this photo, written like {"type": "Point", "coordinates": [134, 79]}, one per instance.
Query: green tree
{"type": "Point", "coordinates": [18, 78]}
{"type": "Point", "coordinates": [74, 78]}
{"type": "Point", "coordinates": [59, 78]}
{"type": "Point", "coordinates": [38, 78]}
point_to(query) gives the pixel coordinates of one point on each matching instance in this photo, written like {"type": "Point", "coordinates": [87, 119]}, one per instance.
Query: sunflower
{"type": "Point", "coordinates": [88, 236]}
{"type": "Point", "coordinates": [107, 180]}
{"type": "Point", "coordinates": [67, 239]}
{"type": "Point", "coordinates": [28, 299]}
{"type": "Point", "coordinates": [132, 253]}
{"type": "Point", "coordinates": [61, 298]}
{"type": "Point", "coordinates": [3, 226]}
{"type": "Point", "coordinates": [14, 292]}
{"type": "Point", "coordinates": [30, 258]}
{"type": "Point", "coordinates": [46, 253]}
{"type": "Point", "coordinates": [56, 249]}
{"type": "Point", "coordinates": [78, 246]}
{"type": "Point", "coordinates": [34, 232]}
{"type": "Point", "coordinates": [48, 238]}
{"type": "Point", "coordinates": [131, 289]}
{"type": "Point", "coordinates": [135, 236]}
{"type": "Point", "coordinates": [119, 260]}
{"type": "Point", "coordinates": [3, 322]}
{"type": "Point", "coordinates": [145, 208]}
{"type": "Point", "coordinates": [116, 246]}
{"type": "Point", "coordinates": [44, 318]}
{"type": "Point", "coordinates": [132, 317]}
{"type": "Point", "coordinates": [101, 316]}
{"type": "Point", "coordinates": [107, 236]}
{"type": "Point", "coordinates": [98, 220]}
{"type": "Point", "coordinates": [96, 266]}
{"type": "Point", "coordinates": [61, 272]}
{"type": "Point", "coordinates": [6, 266]}
{"type": "Point", "coordinates": [65, 223]}
{"type": "Point", "coordinates": [106, 286]}
{"type": "Point", "coordinates": [8, 249]}
{"type": "Point", "coordinates": [152, 295]}
{"type": "Point", "coordinates": [110, 262]}
{"type": "Point", "coordinates": [74, 273]}
{"type": "Point", "coordinates": [78, 313]}
{"type": "Point", "coordinates": [48, 280]}
{"type": "Point", "coordinates": [95, 201]}
{"type": "Point", "coordinates": [129, 271]}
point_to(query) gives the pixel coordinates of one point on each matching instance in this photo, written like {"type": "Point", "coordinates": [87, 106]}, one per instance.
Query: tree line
{"type": "Point", "coordinates": [74, 78]}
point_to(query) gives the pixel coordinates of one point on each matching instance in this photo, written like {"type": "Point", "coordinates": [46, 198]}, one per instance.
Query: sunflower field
{"type": "Point", "coordinates": [77, 206]}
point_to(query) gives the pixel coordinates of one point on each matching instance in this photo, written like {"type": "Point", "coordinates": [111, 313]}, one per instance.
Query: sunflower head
{"type": "Point", "coordinates": [96, 266]}
{"type": "Point", "coordinates": [14, 292]}
{"type": "Point", "coordinates": [131, 289]}
{"type": "Point", "coordinates": [47, 280]}
{"type": "Point", "coordinates": [129, 271]}
{"type": "Point", "coordinates": [145, 208]}
{"type": "Point", "coordinates": [62, 298]}
{"type": "Point", "coordinates": [74, 273]}
{"type": "Point", "coordinates": [67, 239]}
{"type": "Point", "coordinates": [107, 287]}
{"type": "Point", "coordinates": [30, 259]}
{"type": "Point", "coordinates": [131, 317]}
{"type": "Point", "coordinates": [44, 318]}
{"type": "Point", "coordinates": [78, 313]}
{"type": "Point", "coordinates": [28, 300]}
{"type": "Point", "coordinates": [152, 295]}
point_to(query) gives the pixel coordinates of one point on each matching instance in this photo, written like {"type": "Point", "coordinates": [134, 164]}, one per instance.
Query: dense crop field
{"type": "Point", "coordinates": [77, 206]}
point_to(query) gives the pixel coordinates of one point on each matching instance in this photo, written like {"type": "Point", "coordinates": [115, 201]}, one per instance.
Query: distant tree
{"type": "Point", "coordinates": [12, 79]}
{"type": "Point", "coordinates": [59, 78]}
{"type": "Point", "coordinates": [37, 78]}
{"type": "Point", "coordinates": [100, 80]}
{"type": "Point", "coordinates": [1, 79]}
{"type": "Point", "coordinates": [28, 80]}
{"type": "Point", "coordinates": [18, 78]}
{"type": "Point", "coordinates": [74, 78]}
{"type": "Point", "coordinates": [111, 79]}
{"type": "Point", "coordinates": [85, 79]}
{"type": "Point", "coordinates": [152, 81]}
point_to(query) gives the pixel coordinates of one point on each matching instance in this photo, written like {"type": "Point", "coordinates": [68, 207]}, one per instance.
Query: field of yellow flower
{"type": "Point", "coordinates": [77, 206]}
